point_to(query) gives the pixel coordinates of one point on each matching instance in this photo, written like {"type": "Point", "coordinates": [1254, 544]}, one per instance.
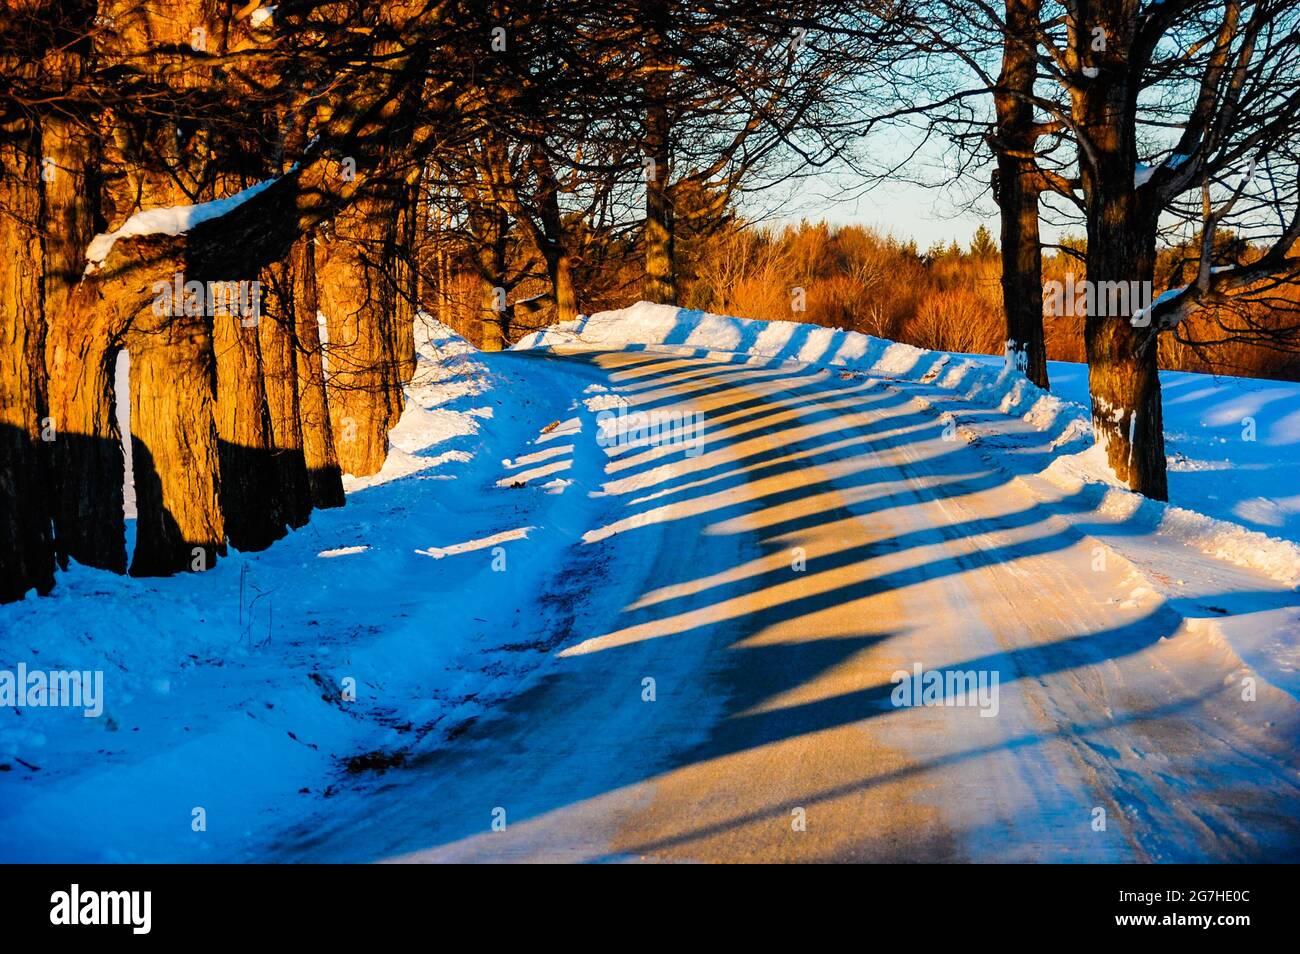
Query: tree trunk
{"type": "Point", "coordinates": [250, 493]}
{"type": "Point", "coordinates": [322, 464]}
{"type": "Point", "coordinates": [85, 458]}
{"type": "Point", "coordinates": [280, 382]}
{"type": "Point", "coordinates": [181, 469]}
{"type": "Point", "coordinates": [26, 542]}
{"type": "Point", "coordinates": [566, 297]}
{"type": "Point", "coordinates": [559, 262]}
{"type": "Point", "coordinates": [1122, 359]}
{"type": "Point", "coordinates": [1017, 191]}
{"type": "Point", "coordinates": [1123, 375]}
{"type": "Point", "coordinates": [359, 349]}
{"type": "Point", "coordinates": [174, 447]}
{"type": "Point", "coordinates": [1022, 271]}
{"type": "Point", "coordinates": [550, 239]}
{"type": "Point", "coordinates": [491, 233]}
{"type": "Point", "coordinates": [86, 464]}
{"type": "Point", "coordinates": [660, 277]}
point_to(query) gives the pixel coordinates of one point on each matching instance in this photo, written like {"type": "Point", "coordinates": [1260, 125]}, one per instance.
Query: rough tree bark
{"type": "Point", "coordinates": [250, 496]}
{"type": "Point", "coordinates": [26, 543]}
{"type": "Point", "coordinates": [276, 342]}
{"type": "Point", "coordinates": [550, 239]}
{"type": "Point", "coordinates": [174, 448]}
{"type": "Point", "coordinates": [86, 464]}
{"type": "Point", "coordinates": [84, 334]}
{"type": "Point", "coordinates": [1016, 190]}
{"type": "Point", "coordinates": [660, 277]}
{"type": "Point", "coordinates": [323, 474]}
{"type": "Point", "coordinates": [1122, 359]}
{"type": "Point", "coordinates": [360, 374]}
{"type": "Point", "coordinates": [1123, 375]}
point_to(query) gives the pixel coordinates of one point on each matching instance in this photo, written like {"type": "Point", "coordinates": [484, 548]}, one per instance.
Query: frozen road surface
{"type": "Point", "coordinates": [741, 597]}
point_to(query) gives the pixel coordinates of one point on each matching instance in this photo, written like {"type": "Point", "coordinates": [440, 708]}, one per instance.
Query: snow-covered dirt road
{"type": "Point", "coordinates": [738, 602]}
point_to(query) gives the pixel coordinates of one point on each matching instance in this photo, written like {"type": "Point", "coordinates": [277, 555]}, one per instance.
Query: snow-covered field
{"type": "Point", "coordinates": [473, 630]}
{"type": "Point", "coordinates": [1233, 443]}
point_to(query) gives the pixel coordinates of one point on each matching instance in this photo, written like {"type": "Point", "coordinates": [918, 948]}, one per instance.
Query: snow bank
{"type": "Point", "coordinates": [1233, 443]}
{"type": "Point", "coordinates": [225, 689]}
{"type": "Point", "coordinates": [445, 370]}
{"type": "Point", "coordinates": [989, 383]}
{"type": "Point", "coordinates": [666, 326]}
{"type": "Point", "coordinates": [1087, 473]}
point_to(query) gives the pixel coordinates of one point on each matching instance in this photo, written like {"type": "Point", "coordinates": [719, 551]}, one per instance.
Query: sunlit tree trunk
{"type": "Point", "coordinates": [324, 477]}
{"type": "Point", "coordinates": [26, 544]}
{"type": "Point", "coordinates": [86, 463]}
{"type": "Point", "coordinates": [250, 493]}
{"type": "Point", "coordinates": [85, 329]}
{"type": "Point", "coordinates": [83, 334]}
{"type": "Point", "coordinates": [174, 448]}
{"type": "Point", "coordinates": [276, 337]}
{"type": "Point", "coordinates": [1123, 375]}
{"type": "Point", "coordinates": [360, 378]}
{"type": "Point", "coordinates": [660, 277]}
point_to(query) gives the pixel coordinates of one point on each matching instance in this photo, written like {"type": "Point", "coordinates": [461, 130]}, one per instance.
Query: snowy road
{"type": "Point", "coordinates": [827, 537]}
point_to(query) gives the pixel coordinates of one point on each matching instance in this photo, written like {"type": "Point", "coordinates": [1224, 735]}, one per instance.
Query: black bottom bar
{"type": "Point", "coordinates": [936, 903]}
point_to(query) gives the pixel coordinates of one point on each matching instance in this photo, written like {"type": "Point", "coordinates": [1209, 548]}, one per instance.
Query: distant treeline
{"type": "Point", "coordinates": [947, 297]}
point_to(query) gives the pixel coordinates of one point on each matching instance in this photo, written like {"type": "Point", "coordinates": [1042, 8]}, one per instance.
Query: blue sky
{"type": "Point", "coordinates": [906, 210]}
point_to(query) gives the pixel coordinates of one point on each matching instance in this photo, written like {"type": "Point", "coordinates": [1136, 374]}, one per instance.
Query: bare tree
{"type": "Point", "coordinates": [1226, 79]}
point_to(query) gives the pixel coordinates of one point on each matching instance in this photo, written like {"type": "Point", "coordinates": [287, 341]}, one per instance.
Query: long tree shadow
{"type": "Point", "coordinates": [566, 738]}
